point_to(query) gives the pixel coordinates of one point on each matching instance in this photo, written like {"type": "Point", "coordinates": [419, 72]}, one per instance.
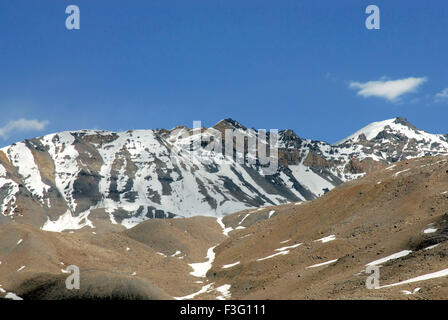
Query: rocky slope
{"type": "Point", "coordinates": [71, 180]}
{"type": "Point", "coordinates": [395, 218]}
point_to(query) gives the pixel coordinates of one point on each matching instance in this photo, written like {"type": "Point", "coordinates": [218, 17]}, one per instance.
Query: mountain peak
{"type": "Point", "coordinates": [290, 139]}
{"type": "Point", "coordinates": [405, 122]}
{"type": "Point", "coordinates": [368, 132]}
{"type": "Point", "coordinates": [372, 130]}
{"type": "Point", "coordinates": [229, 123]}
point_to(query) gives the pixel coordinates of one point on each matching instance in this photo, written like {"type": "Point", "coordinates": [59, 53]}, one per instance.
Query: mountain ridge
{"type": "Point", "coordinates": [76, 179]}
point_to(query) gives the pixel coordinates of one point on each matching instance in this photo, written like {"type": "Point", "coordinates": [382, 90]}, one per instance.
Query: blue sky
{"type": "Point", "coordinates": [311, 66]}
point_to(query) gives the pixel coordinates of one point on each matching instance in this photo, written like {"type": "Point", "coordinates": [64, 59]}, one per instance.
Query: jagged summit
{"type": "Point", "coordinates": [229, 124]}
{"type": "Point", "coordinates": [290, 139]}
{"type": "Point", "coordinates": [405, 122]}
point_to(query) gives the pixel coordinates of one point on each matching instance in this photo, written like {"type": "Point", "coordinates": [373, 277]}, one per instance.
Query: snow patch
{"type": "Point", "coordinates": [326, 239]}
{"type": "Point", "coordinates": [388, 258]}
{"type": "Point", "coordinates": [322, 264]}
{"type": "Point", "coordinates": [399, 172]}
{"type": "Point", "coordinates": [225, 292]}
{"type": "Point", "coordinates": [68, 222]}
{"type": "Point", "coordinates": [63, 152]}
{"type": "Point", "coordinates": [289, 247]}
{"type": "Point", "coordinates": [200, 269]}
{"type": "Point", "coordinates": [309, 179]}
{"type": "Point", "coordinates": [432, 247]}
{"type": "Point", "coordinates": [281, 253]}
{"type": "Point", "coordinates": [226, 266]}
{"type": "Point", "coordinates": [429, 276]}
{"type": "Point", "coordinates": [244, 218]}
{"type": "Point", "coordinates": [176, 253]}
{"type": "Point", "coordinates": [406, 292]}
{"type": "Point", "coordinates": [22, 158]}
{"type": "Point", "coordinates": [12, 296]}
{"type": "Point", "coordinates": [225, 231]}
{"type": "Point", "coordinates": [204, 289]}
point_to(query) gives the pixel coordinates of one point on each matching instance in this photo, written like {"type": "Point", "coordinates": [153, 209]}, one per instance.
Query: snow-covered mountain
{"type": "Point", "coordinates": [396, 139]}
{"type": "Point", "coordinates": [69, 180]}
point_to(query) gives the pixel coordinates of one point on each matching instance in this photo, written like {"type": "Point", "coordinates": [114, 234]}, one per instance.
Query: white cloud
{"type": "Point", "coordinates": [21, 125]}
{"type": "Point", "coordinates": [442, 96]}
{"type": "Point", "coordinates": [387, 89]}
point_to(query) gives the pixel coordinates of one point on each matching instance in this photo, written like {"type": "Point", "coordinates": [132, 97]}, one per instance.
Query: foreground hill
{"type": "Point", "coordinates": [395, 218]}
{"type": "Point", "coordinates": [110, 180]}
